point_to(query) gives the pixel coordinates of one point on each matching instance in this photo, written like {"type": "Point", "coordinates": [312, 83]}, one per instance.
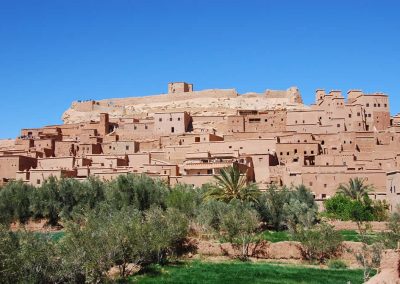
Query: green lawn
{"type": "Point", "coordinates": [351, 235]}
{"type": "Point", "coordinates": [239, 272]}
{"type": "Point", "coordinates": [276, 236]}
{"type": "Point", "coordinates": [348, 235]}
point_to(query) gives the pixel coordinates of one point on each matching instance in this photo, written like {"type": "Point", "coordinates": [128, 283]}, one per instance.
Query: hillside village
{"type": "Point", "coordinates": [187, 136]}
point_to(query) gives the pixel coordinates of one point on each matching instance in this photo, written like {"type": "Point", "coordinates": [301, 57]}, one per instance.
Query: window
{"type": "Point", "coordinates": [196, 139]}
{"type": "Point", "coordinates": [172, 129]}
{"type": "Point", "coordinates": [145, 127]}
{"type": "Point", "coordinates": [349, 115]}
{"type": "Point", "coordinates": [38, 181]}
{"type": "Point", "coordinates": [312, 152]}
{"type": "Point", "coordinates": [305, 152]}
{"type": "Point", "coordinates": [170, 119]}
{"type": "Point", "coordinates": [379, 105]}
{"type": "Point", "coordinates": [265, 120]}
{"type": "Point", "coordinates": [160, 119]}
{"type": "Point", "coordinates": [134, 127]}
{"type": "Point", "coordinates": [338, 125]}
{"type": "Point", "coordinates": [281, 153]}
{"type": "Point", "coordinates": [179, 119]}
{"type": "Point", "coordinates": [323, 195]}
{"type": "Point", "coordinates": [287, 153]}
{"type": "Point", "coordinates": [295, 151]}
{"type": "Point", "coordinates": [325, 185]}
{"type": "Point", "coordinates": [209, 172]}
{"type": "Point", "coordinates": [127, 148]}
{"type": "Point", "coordinates": [385, 105]}
{"type": "Point", "coordinates": [358, 114]}
{"type": "Point", "coordinates": [374, 105]}
{"type": "Point", "coordinates": [367, 104]}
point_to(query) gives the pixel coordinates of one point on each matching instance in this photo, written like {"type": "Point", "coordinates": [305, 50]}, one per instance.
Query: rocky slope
{"type": "Point", "coordinates": [207, 102]}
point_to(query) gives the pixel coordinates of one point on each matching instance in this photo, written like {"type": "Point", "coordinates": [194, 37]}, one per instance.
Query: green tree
{"type": "Point", "coordinates": [319, 243]}
{"type": "Point", "coordinates": [239, 226]}
{"type": "Point", "coordinates": [344, 208]}
{"type": "Point", "coordinates": [211, 214]}
{"type": "Point", "coordinates": [271, 206]}
{"type": "Point", "coordinates": [9, 261]}
{"type": "Point", "coordinates": [164, 230]}
{"type": "Point", "coordinates": [231, 184]}
{"type": "Point", "coordinates": [391, 237]}
{"type": "Point", "coordinates": [283, 208]}
{"type": "Point", "coordinates": [89, 250]}
{"type": "Point", "coordinates": [185, 198]}
{"type": "Point", "coordinates": [47, 201]}
{"type": "Point", "coordinates": [15, 202]}
{"type": "Point", "coordinates": [140, 191]}
{"type": "Point", "coordinates": [356, 189]}
{"type": "Point", "coordinates": [37, 259]}
{"type": "Point", "coordinates": [300, 208]}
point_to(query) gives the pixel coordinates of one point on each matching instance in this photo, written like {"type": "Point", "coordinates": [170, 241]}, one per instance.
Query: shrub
{"type": "Point", "coordinates": [15, 202]}
{"type": "Point", "coordinates": [140, 191]}
{"type": "Point", "coordinates": [270, 206]}
{"type": "Point", "coordinates": [112, 237]}
{"type": "Point", "coordinates": [286, 208]}
{"type": "Point", "coordinates": [185, 198]}
{"type": "Point", "coordinates": [391, 237]}
{"type": "Point", "coordinates": [211, 214]}
{"type": "Point", "coordinates": [337, 264]}
{"type": "Point", "coordinates": [26, 257]}
{"type": "Point", "coordinates": [238, 226]}
{"type": "Point", "coordinates": [344, 208]}
{"type": "Point", "coordinates": [319, 243]}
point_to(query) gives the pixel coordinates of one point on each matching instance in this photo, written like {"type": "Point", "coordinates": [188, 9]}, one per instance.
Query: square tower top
{"type": "Point", "coordinates": [179, 87]}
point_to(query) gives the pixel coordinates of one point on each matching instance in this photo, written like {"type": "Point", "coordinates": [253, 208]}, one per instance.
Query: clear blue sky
{"type": "Point", "coordinates": [54, 52]}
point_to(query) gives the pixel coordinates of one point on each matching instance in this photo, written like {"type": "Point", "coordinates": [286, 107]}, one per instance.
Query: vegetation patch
{"type": "Point", "coordinates": [245, 272]}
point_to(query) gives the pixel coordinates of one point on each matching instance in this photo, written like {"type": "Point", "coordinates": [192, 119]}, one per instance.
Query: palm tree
{"type": "Point", "coordinates": [231, 184]}
{"type": "Point", "coordinates": [355, 189]}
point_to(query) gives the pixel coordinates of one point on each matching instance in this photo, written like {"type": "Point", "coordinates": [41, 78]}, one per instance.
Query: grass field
{"type": "Point", "coordinates": [244, 272]}
{"type": "Point", "coordinates": [348, 235]}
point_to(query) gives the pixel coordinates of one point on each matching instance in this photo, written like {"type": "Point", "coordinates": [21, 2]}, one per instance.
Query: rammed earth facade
{"type": "Point", "coordinates": [187, 136]}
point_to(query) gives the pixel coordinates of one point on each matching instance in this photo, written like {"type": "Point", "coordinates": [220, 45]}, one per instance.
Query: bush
{"type": "Point", "coordinates": [239, 225]}
{"type": "Point", "coordinates": [140, 191]}
{"type": "Point", "coordinates": [270, 206]}
{"type": "Point", "coordinates": [284, 208]}
{"type": "Point", "coordinates": [26, 257]}
{"type": "Point", "coordinates": [112, 237]}
{"type": "Point", "coordinates": [319, 243]}
{"type": "Point", "coordinates": [344, 208]}
{"type": "Point", "coordinates": [15, 202]}
{"type": "Point", "coordinates": [337, 264]}
{"type": "Point", "coordinates": [211, 214]}
{"type": "Point", "coordinates": [391, 237]}
{"type": "Point", "coordinates": [185, 198]}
